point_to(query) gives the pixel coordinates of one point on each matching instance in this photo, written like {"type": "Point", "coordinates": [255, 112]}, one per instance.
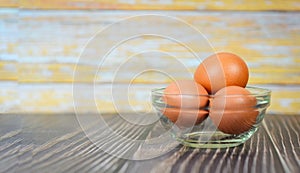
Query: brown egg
{"type": "Point", "coordinates": [186, 94]}
{"type": "Point", "coordinates": [220, 70]}
{"type": "Point", "coordinates": [185, 117]}
{"type": "Point", "coordinates": [232, 110]}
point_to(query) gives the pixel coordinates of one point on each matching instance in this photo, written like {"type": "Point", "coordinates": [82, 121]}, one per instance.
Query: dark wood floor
{"type": "Point", "coordinates": [56, 143]}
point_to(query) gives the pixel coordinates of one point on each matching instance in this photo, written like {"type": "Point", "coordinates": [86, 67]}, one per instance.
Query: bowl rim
{"type": "Point", "coordinates": [263, 92]}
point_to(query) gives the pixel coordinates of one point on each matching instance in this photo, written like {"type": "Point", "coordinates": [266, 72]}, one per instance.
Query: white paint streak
{"type": "Point", "coordinates": [285, 102]}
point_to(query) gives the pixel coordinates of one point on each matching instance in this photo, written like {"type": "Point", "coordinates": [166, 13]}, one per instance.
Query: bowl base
{"type": "Point", "coordinates": [213, 139]}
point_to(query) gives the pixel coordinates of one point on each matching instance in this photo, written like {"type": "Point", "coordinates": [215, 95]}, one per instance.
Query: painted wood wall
{"type": "Point", "coordinates": [39, 50]}
{"type": "Point", "coordinates": [155, 4]}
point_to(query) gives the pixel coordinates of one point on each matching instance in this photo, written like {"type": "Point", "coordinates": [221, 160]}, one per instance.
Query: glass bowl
{"type": "Point", "coordinates": [212, 125]}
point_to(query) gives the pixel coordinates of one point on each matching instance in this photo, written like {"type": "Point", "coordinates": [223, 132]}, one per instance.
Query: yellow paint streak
{"type": "Point", "coordinates": [283, 101]}
{"type": "Point", "coordinates": [40, 73]}
{"type": "Point", "coordinates": [51, 99]}
{"type": "Point", "coordinates": [11, 48]}
{"type": "Point", "coordinates": [154, 5]}
{"type": "Point", "coordinates": [286, 102]}
{"type": "Point", "coordinates": [44, 52]}
{"type": "Point", "coordinates": [69, 49]}
{"type": "Point", "coordinates": [8, 70]}
{"type": "Point", "coordinates": [102, 107]}
{"type": "Point", "coordinates": [9, 3]}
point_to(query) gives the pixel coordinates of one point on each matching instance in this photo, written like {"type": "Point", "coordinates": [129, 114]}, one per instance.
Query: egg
{"type": "Point", "coordinates": [185, 117]}
{"type": "Point", "coordinates": [186, 94]}
{"type": "Point", "coordinates": [232, 110]}
{"type": "Point", "coordinates": [220, 70]}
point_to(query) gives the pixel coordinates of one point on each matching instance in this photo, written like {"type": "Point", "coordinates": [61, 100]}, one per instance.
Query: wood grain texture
{"type": "Point", "coordinates": [56, 143]}
{"type": "Point", "coordinates": [57, 98]}
{"type": "Point", "coordinates": [154, 4]}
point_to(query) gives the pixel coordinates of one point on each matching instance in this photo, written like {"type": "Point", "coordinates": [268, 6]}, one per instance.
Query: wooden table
{"type": "Point", "coordinates": [56, 143]}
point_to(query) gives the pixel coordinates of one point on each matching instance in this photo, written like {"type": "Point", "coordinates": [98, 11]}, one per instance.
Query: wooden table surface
{"type": "Point", "coordinates": [56, 143]}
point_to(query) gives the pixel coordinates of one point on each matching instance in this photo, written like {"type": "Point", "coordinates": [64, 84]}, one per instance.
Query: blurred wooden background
{"type": "Point", "coordinates": [41, 40]}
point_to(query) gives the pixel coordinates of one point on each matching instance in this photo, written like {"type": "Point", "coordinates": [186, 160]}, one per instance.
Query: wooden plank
{"type": "Point", "coordinates": [269, 42]}
{"type": "Point", "coordinates": [286, 135]}
{"type": "Point", "coordinates": [57, 98]}
{"type": "Point", "coordinates": [9, 3]}
{"type": "Point", "coordinates": [9, 97]}
{"type": "Point", "coordinates": [154, 5]}
{"type": "Point", "coordinates": [64, 73]}
{"type": "Point", "coordinates": [57, 143]}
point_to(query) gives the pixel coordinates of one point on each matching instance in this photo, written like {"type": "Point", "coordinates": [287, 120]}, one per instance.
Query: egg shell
{"type": "Point", "coordinates": [232, 110]}
{"type": "Point", "coordinates": [185, 94]}
{"type": "Point", "coordinates": [220, 70]}
{"type": "Point", "coordinates": [185, 117]}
